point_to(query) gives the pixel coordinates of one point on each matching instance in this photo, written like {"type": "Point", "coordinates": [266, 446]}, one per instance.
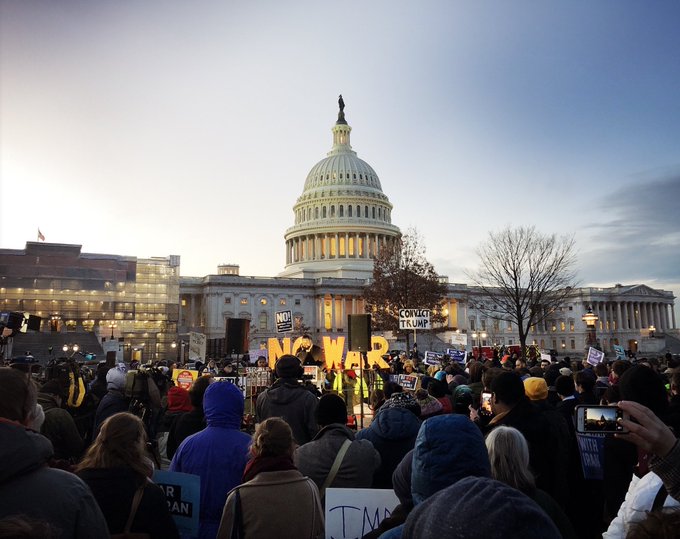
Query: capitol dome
{"type": "Point", "coordinates": [342, 217]}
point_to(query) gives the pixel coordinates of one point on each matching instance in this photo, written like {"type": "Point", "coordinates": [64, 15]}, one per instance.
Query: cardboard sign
{"type": "Point", "coordinates": [183, 494]}
{"type": "Point", "coordinates": [197, 344]}
{"type": "Point", "coordinates": [354, 512]}
{"type": "Point", "coordinates": [456, 355]}
{"type": "Point", "coordinates": [284, 321]}
{"type": "Point", "coordinates": [239, 381]}
{"type": "Point", "coordinates": [459, 339]}
{"type": "Point", "coordinates": [591, 448]}
{"type": "Point", "coordinates": [414, 319]}
{"type": "Point", "coordinates": [546, 357]}
{"type": "Point", "coordinates": [184, 377]}
{"type": "Point", "coordinates": [594, 356]}
{"type": "Point", "coordinates": [258, 377]}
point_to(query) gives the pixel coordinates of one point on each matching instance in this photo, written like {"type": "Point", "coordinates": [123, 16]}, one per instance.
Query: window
{"type": "Point", "coordinates": [332, 211]}
{"type": "Point", "coordinates": [349, 211]}
{"type": "Point", "coordinates": [483, 324]}
{"type": "Point", "coordinates": [227, 301]}
{"type": "Point", "coordinates": [358, 211]}
{"type": "Point", "coordinates": [297, 302]}
{"type": "Point", "coordinates": [563, 326]}
{"type": "Point", "coordinates": [316, 213]}
{"type": "Point", "coordinates": [244, 301]}
{"type": "Point", "coordinates": [366, 212]}
{"type": "Point", "coordinates": [342, 211]}
{"type": "Point", "coordinates": [571, 307]}
{"type": "Point", "coordinates": [472, 324]}
{"type": "Point", "coordinates": [263, 301]}
{"type": "Point", "coordinates": [510, 341]}
{"type": "Point", "coordinates": [373, 212]}
{"type": "Point", "coordinates": [282, 301]}
{"type": "Point", "coordinates": [184, 303]}
{"type": "Point", "coordinates": [323, 212]}
{"type": "Point", "coordinates": [263, 321]}
{"type": "Point", "coordinates": [496, 325]}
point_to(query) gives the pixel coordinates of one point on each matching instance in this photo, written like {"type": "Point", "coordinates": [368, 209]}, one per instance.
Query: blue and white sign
{"type": "Point", "coordinates": [183, 494]}
{"type": "Point", "coordinates": [456, 355]}
{"type": "Point", "coordinates": [433, 358]}
{"type": "Point", "coordinates": [620, 352]}
{"type": "Point", "coordinates": [591, 448]}
{"type": "Point", "coordinates": [595, 356]}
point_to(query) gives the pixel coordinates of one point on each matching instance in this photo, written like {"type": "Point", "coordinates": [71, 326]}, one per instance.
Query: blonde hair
{"type": "Point", "coordinates": [121, 443]}
{"type": "Point", "coordinates": [509, 457]}
{"type": "Point", "coordinates": [273, 438]}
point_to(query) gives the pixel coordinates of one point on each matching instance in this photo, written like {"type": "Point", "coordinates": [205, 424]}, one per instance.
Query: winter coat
{"type": "Point", "coordinates": [114, 488]}
{"type": "Point", "coordinates": [638, 502]}
{"type": "Point", "coordinates": [30, 488]}
{"type": "Point", "coordinates": [60, 428]}
{"type": "Point", "coordinates": [316, 458]}
{"type": "Point", "coordinates": [393, 434]}
{"type": "Point", "coordinates": [184, 426]}
{"type": "Point", "coordinates": [292, 402]}
{"type": "Point", "coordinates": [218, 453]}
{"type": "Point", "coordinates": [276, 504]}
{"type": "Point", "coordinates": [112, 403]}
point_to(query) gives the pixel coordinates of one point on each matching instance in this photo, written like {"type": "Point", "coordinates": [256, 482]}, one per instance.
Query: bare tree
{"type": "Point", "coordinates": [403, 278]}
{"type": "Point", "coordinates": [524, 276]}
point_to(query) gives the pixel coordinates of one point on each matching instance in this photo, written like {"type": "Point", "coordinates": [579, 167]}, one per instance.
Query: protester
{"type": "Point", "coordinates": [509, 457]}
{"type": "Point", "coordinates": [178, 403]}
{"type": "Point", "coordinates": [29, 489]}
{"type": "Point", "coordinates": [59, 426]}
{"type": "Point", "coordinates": [190, 422]}
{"type": "Point", "coordinates": [448, 448]}
{"type": "Point", "coordinates": [288, 399]}
{"type": "Point", "coordinates": [316, 459]}
{"type": "Point", "coordinates": [393, 433]}
{"type": "Point", "coordinates": [275, 499]}
{"type": "Point", "coordinates": [479, 508]}
{"type": "Point", "coordinates": [114, 401]}
{"type": "Point", "coordinates": [116, 469]}
{"type": "Point", "coordinates": [218, 453]}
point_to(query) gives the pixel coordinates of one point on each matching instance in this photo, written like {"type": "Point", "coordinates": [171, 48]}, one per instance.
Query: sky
{"type": "Point", "coordinates": [188, 128]}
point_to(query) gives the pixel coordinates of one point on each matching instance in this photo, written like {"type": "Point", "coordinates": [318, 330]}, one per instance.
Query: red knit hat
{"type": "Point", "coordinates": [178, 400]}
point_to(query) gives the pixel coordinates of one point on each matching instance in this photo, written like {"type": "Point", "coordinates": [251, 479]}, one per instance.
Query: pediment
{"type": "Point", "coordinates": [640, 290]}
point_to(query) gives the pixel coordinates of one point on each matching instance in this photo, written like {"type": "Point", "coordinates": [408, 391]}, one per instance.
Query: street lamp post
{"type": "Point", "coordinates": [590, 318]}
{"type": "Point", "coordinates": [112, 325]}
{"type": "Point", "coordinates": [652, 329]}
{"type": "Point", "coordinates": [73, 348]}
{"type": "Point", "coordinates": [481, 336]}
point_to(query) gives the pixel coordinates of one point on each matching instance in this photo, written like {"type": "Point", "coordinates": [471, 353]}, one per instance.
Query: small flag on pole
{"type": "Point", "coordinates": [40, 236]}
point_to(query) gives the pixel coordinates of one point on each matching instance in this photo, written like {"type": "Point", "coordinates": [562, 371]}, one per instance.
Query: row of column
{"type": "Point", "coordinates": [626, 315]}
{"type": "Point", "coordinates": [335, 246]}
{"type": "Point", "coordinates": [332, 310]}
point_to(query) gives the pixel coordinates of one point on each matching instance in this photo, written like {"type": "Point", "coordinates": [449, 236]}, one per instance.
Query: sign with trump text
{"type": "Point", "coordinates": [410, 319]}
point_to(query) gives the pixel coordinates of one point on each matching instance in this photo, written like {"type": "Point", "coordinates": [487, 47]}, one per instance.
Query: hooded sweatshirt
{"type": "Point", "coordinates": [292, 402]}
{"type": "Point", "coordinates": [29, 487]}
{"type": "Point", "coordinates": [218, 453]}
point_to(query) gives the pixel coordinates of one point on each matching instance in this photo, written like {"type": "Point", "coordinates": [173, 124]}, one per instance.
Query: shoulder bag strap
{"type": "Point", "coordinates": [133, 510]}
{"type": "Point", "coordinates": [237, 523]}
{"type": "Point", "coordinates": [660, 499]}
{"type": "Point", "coordinates": [336, 466]}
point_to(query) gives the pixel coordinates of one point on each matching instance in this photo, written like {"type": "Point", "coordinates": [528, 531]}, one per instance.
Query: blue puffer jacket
{"type": "Point", "coordinates": [218, 453]}
{"type": "Point", "coordinates": [393, 433]}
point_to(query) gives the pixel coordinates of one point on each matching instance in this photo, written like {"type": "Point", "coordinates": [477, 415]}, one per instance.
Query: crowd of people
{"type": "Point", "coordinates": [478, 448]}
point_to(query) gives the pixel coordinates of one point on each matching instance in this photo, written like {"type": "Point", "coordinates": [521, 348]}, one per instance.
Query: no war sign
{"type": "Point", "coordinates": [284, 321]}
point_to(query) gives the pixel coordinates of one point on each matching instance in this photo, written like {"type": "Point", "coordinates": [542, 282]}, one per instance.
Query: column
{"type": "Point", "coordinates": [665, 317]}
{"type": "Point", "coordinates": [333, 326]}
{"type": "Point", "coordinates": [346, 245]}
{"type": "Point", "coordinates": [319, 313]}
{"type": "Point", "coordinates": [673, 317]}
{"type": "Point", "coordinates": [354, 305]}
{"type": "Point", "coordinates": [656, 315]}
{"type": "Point", "coordinates": [618, 316]}
{"type": "Point", "coordinates": [343, 317]}
{"type": "Point", "coordinates": [643, 315]}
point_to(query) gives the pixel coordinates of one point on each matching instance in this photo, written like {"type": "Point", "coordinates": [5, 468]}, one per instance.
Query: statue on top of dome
{"type": "Point", "coordinates": [341, 103]}
{"type": "Point", "coordinates": [341, 114]}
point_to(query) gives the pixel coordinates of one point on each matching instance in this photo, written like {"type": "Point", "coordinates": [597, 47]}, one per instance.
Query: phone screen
{"type": "Point", "coordinates": [599, 419]}
{"type": "Point", "coordinates": [486, 404]}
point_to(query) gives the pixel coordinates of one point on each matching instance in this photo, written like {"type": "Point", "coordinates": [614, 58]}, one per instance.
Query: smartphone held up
{"type": "Point", "coordinates": [599, 419]}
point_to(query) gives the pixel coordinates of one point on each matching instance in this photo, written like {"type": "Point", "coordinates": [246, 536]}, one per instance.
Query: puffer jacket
{"type": "Point", "coordinates": [292, 402]}
{"type": "Point", "coordinates": [316, 458]}
{"type": "Point", "coordinates": [393, 433]}
{"type": "Point", "coordinates": [30, 488]}
{"type": "Point", "coordinates": [218, 453]}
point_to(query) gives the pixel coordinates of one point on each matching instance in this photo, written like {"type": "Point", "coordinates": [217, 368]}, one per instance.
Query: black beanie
{"type": "Point", "coordinates": [288, 367]}
{"type": "Point", "coordinates": [508, 387]}
{"type": "Point", "coordinates": [331, 409]}
{"type": "Point", "coordinates": [642, 385]}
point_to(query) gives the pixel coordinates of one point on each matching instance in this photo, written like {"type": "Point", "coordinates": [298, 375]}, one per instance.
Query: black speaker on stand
{"type": "Point", "coordinates": [359, 337]}
{"type": "Point", "coordinates": [237, 336]}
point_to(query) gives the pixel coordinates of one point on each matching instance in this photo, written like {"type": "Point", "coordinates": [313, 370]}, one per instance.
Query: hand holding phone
{"type": "Point", "coordinates": [485, 408]}
{"type": "Point", "coordinates": [600, 419]}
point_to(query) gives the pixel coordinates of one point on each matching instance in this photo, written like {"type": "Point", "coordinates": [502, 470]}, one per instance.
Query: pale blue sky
{"type": "Point", "coordinates": [154, 128]}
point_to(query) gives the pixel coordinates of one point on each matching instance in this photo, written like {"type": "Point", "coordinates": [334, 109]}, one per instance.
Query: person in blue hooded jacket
{"type": "Point", "coordinates": [218, 453]}
{"type": "Point", "coordinates": [448, 448]}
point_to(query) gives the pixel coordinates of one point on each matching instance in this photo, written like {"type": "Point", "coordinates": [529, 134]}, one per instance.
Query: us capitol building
{"type": "Point", "coordinates": [342, 221]}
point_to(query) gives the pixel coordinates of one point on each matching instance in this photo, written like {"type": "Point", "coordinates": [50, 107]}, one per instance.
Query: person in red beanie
{"type": "Point", "coordinates": [179, 402]}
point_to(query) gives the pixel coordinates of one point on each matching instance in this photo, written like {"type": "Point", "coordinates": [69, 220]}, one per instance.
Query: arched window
{"type": "Point", "coordinates": [323, 212]}
{"type": "Point", "coordinates": [358, 211]}
{"type": "Point", "coordinates": [349, 211]}
{"type": "Point", "coordinates": [332, 211]}
{"type": "Point", "coordinates": [316, 212]}
{"type": "Point", "coordinates": [366, 212]}
{"type": "Point", "coordinates": [373, 212]}
{"type": "Point", "coordinates": [342, 211]}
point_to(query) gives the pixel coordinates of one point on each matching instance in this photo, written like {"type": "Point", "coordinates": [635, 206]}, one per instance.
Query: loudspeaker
{"type": "Point", "coordinates": [359, 332]}
{"type": "Point", "coordinates": [237, 335]}
{"type": "Point", "coordinates": [33, 322]}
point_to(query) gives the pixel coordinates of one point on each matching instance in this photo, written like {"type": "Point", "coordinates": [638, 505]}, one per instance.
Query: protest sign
{"type": "Point", "coordinates": [184, 377]}
{"type": "Point", "coordinates": [595, 356]}
{"type": "Point", "coordinates": [591, 448]}
{"type": "Point", "coordinates": [197, 345]}
{"type": "Point", "coordinates": [409, 381]}
{"type": "Point", "coordinates": [354, 512]}
{"type": "Point", "coordinates": [546, 357]}
{"type": "Point", "coordinates": [456, 355]}
{"type": "Point", "coordinates": [620, 352]}
{"type": "Point", "coordinates": [183, 494]}
{"type": "Point", "coordinates": [432, 358]}
{"type": "Point", "coordinates": [240, 382]}
{"type": "Point", "coordinates": [414, 319]}
{"type": "Point", "coordinates": [284, 321]}
{"type": "Point", "coordinates": [459, 339]}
